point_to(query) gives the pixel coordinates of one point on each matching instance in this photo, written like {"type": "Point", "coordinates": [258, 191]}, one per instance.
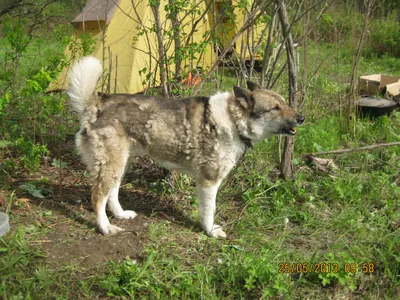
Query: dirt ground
{"type": "Point", "coordinates": [66, 217]}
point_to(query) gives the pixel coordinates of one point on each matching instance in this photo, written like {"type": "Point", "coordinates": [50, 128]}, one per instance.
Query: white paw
{"type": "Point", "coordinates": [126, 214]}
{"type": "Point", "coordinates": [110, 229]}
{"type": "Point", "coordinates": [217, 232]}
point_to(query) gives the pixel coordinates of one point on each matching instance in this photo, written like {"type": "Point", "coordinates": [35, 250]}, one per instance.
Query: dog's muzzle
{"type": "Point", "coordinates": [300, 119]}
{"type": "Point", "coordinates": [292, 129]}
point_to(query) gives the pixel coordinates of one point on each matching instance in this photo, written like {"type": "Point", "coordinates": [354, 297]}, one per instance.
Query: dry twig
{"type": "Point", "coordinates": [365, 148]}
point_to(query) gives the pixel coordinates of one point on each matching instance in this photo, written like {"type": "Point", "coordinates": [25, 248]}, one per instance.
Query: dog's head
{"type": "Point", "coordinates": [266, 113]}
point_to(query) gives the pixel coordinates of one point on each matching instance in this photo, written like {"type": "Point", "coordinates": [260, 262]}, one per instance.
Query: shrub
{"type": "Point", "coordinates": [384, 36]}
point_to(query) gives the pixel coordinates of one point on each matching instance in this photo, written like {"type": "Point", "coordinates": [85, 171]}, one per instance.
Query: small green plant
{"type": "Point", "coordinates": [79, 46]}
{"type": "Point", "coordinates": [34, 191]}
{"type": "Point", "coordinates": [59, 163]}
{"type": "Point", "coordinates": [342, 269]}
{"type": "Point", "coordinates": [31, 153]}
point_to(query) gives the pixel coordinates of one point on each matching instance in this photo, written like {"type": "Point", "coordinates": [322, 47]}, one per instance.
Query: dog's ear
{"type": "Point", "coordinates": [252, 86]}
{"type": "Point", "coordinates": [244, 97]}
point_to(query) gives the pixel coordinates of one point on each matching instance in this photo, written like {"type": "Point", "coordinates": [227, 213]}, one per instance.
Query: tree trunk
{"type": "Point", "coordinates": [306, 22]}
{"type": "Point", "coordinates": [155, 7]}
{"type": "Point", "coordinates": [356, 63]}
{"type": "Point", "coordinates": [286, 167]}
{"type": "Point", "coordinates": [177, 39]}
{"type": "Point", "coordinates": [268, 50]}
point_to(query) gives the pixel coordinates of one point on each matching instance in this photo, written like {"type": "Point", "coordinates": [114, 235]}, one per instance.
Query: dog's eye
{"type": "Point", "coordinates": [276, 107]}
{"type": "Point", "coordinates": [256, 115]}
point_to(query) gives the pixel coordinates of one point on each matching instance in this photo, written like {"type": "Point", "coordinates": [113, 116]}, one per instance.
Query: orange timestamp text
{"type": "Point", "coordinates": [326, 268]}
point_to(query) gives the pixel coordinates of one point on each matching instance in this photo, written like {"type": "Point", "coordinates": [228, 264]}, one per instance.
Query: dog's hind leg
{"type": "Point", "coordinates": [107, 179]}
{"type": "Point", "coordinates": [99, 201]}
{"type": "Point", "coordinates": [115, 206]}
{"type": "Point", "coordinates": [207, 193]}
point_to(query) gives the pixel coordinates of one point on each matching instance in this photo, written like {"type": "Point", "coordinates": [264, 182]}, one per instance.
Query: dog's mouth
{"type": "Point", "coordinates": [289, 130]}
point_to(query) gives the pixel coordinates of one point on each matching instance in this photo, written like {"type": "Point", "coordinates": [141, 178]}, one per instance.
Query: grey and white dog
{"type": "Point", "coordinates": [200, 136]}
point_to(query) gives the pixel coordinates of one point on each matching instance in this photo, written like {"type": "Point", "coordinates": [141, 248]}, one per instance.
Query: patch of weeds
{"type": "Point", "coordinates": [233, 274]}
{"type": "Point", "coordinates": [59, 163]}
{"type": "Point", "coordinates": [31, 153]}
{"type": "Point", "coordinates": [250, 274]}
{"type": "Point", "coordinates": [388, 258]}
{"type": "Point", "coordinates": [37, 192]}
{"type": "Point", "coordinates": [322, 135]}
{"type": "Point", "coordinates": [25, 275]}
{"type": "Point", "coordinates": [336, 268]}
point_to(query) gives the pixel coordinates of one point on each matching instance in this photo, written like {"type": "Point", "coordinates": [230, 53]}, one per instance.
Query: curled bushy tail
{"type": "Point", "coordinates": [82, 86]}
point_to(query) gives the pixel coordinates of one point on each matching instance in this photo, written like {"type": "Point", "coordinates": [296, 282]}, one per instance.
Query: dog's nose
{"type": "Point", "coordinates": [300, 119]}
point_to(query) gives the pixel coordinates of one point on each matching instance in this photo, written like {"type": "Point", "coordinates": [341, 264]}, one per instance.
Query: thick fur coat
{"type": "Point", "coordinates": [200, 136]}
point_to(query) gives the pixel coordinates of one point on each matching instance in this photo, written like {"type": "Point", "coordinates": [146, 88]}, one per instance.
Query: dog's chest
{"type": "Point", "coordinates": [230, 152]}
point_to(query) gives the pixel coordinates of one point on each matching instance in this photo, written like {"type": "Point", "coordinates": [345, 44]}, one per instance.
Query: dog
{"type": "Point", "coordinates": [203, 137]}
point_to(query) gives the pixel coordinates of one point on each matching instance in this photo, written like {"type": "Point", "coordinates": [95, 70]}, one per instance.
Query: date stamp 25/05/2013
{"type": "Point", "coordinates": [296, 268]}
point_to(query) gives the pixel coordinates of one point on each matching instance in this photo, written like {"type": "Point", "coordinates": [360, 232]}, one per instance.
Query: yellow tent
{"type": "Point", "coordinates": [126, 40]}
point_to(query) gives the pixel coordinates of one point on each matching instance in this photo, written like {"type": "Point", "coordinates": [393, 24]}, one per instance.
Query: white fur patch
{"type": "Point", "coordinates": [219, 109]}
{"type": "Point", "coordinates": [207, 206]}
{"type": "Point", "coordinates": [83, 79]}
{"type": "Point", "coordinates": [101, 216]}
{"type": "Point", "coordinates": [230, 146]}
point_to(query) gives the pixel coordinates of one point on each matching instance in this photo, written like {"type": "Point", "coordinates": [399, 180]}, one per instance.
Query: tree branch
{"type": "Point", "coordinates": [349, 150]}
{"type": "Point", "coordinates": [250, 20]}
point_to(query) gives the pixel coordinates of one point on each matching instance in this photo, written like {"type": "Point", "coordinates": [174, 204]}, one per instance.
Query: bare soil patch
{"type": "Point", "coordinates": [71, 236]}
{"type": "Point", "coordinates": [69, 244]}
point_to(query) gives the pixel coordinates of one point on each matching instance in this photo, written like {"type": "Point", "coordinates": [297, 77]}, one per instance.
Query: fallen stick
{"type": "Point", "coordinates": [41, 241]}
{"type": "Point", "coordinates": [354, 149]}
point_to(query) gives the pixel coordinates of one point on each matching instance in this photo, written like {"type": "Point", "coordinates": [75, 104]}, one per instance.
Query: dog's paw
{"type": "Point", "coordinates": [126, 214]}
{"type": "Point", "coordinates": [110, 229]}
{"type": "Point", "coordinates": [217, 232]}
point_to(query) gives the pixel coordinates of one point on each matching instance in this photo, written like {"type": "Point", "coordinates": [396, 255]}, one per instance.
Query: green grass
{"type": "Point", "coordinates": [329, 70]}
{"type": "Point", "coordinates": [26, 275]}
{"type": "Point", "coordinates": [345, 219]}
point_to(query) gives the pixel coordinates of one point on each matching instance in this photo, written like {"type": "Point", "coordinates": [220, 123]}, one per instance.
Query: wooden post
{"type": "Point", "coordinates": [116, 73]}
{"type": "Point", "coordinates": [109, 71]}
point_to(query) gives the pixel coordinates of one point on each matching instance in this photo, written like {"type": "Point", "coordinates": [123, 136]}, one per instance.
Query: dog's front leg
{"type": "Point", "coordinates": [207, 193]}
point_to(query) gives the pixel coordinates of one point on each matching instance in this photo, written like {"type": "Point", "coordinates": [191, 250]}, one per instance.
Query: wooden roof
{"type": "Point", "coordinates": [97, 10]}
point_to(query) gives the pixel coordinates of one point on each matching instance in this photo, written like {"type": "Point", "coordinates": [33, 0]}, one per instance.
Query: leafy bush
{"type": "Point", "coordinates": [30, 119]}
{"type": "Point", "coordinates": [338, 24]}
{"type": "Point", "coordinates": [384, 36]}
